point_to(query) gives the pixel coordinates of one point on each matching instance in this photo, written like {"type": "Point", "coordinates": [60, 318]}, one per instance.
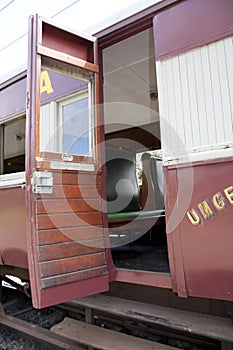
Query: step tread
{"type": "Point", "coordinates": [186, 321]}
{"type": "Point", "coordinates": [101, 338]}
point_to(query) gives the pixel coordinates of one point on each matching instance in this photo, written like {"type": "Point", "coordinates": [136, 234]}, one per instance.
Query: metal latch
{"type": "Point", "coordinates": [42, 182]}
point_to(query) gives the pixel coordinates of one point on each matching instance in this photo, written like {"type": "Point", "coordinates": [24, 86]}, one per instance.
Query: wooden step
{"type": "Point", "coordinates": [103, 339]}
{"type": "Point", "coordinates": [174, 319]}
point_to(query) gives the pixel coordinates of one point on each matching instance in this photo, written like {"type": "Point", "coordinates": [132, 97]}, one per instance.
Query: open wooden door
{"type": "Point", "coordinates": [67, 251]}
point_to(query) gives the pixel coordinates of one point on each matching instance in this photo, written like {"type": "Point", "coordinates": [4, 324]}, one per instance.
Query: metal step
{"type": "Point", "coordinates": [103, 339]}
{"type": "Point", "coordinates": [174, 319]}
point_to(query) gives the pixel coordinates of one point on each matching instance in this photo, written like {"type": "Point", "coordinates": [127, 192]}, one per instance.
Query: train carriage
{"type": "Point", "coordinates": [75, 214]}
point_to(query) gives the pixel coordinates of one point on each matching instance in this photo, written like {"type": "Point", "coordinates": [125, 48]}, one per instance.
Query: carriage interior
{"type": "Point", "coordinates": [135, 185]}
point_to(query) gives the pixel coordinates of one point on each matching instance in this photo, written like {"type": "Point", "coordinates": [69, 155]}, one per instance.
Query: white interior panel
{"type": "Point", "coordinates": [14, 138]}
{"type": "Point", "coordinates": [195, 97]}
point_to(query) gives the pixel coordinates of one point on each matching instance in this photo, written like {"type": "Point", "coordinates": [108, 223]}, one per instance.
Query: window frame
{"type": "Point", "coordinates": [89, 77]}
{"type": "Point", "coordinates": [13, 179]}
{"type": "Point", "coordinates": [65, 101]}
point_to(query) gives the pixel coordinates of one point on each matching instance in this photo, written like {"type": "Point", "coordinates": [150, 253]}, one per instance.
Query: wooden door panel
{"type": "Point", "coordinates": [67, 240]}
{"type": "Point", "coordinates": [69, 234]}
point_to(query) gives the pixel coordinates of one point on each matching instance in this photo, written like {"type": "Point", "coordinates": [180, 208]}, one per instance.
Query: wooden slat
{"type": "Point", "coordinates": [103, 339]}
{"type": "Point", "coordinates": [185, 102]}
{"type": "Point", "coordinates": [216, 91]}
{"type": "Point", "coordinates": [171, 108]}
{"type": "Point", "coordinates": [225, 91]}
{"type": "Point", "coordinates": [60, 56]}
{"type": "Point", "coordinates": [161, 87]}
{"type": "Point", "coordinates": [68, 220]}
{"type": "Point", "coordinates": [178, 98]}
{"type": "Point", "coordinates": [200, 91]}
{"type": "Point", "coordinates": [66, 250]}
{"type": "Point", "coordinates": [68, 206]}
{"type": "Point", "coordinates": [76, 192]}
{"type": "Point", "coordinates": [70, 234]}
{"type": "Point", "coordinates": [229, 59]}
{"type": "Point", "coordinates": [191, 322]}
{"type": "Point", "coordinates": [71, 178]}
{"type": "Point", "coordinates": [39, 333]}
{"type": "Point", "coordinates": [209, 98]}
{"type": "Point", "coordinates": [73, 277]}
{"type": "Point", "coordinates": [63, 266]}
{"type": "Point", "coordinates": [193, 103]}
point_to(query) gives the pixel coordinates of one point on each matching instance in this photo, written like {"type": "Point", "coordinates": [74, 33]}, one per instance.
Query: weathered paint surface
{"type": "Point", "coordinates": [12, 99]}
{"type": "Point", "coordinates": [190, 24]}
{"type": "Point", "coordinates": [13, 241]}
{"type": "Point", "coordinates": [206, 258]}
{"type": "Point", "coordinates": [53, 86]}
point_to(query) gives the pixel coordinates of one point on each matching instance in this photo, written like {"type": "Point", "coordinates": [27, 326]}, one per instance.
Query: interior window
{"type": "Point", "coordinates": [14, 146]}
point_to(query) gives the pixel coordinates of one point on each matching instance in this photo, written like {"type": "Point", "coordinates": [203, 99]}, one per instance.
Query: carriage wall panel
{"type": "Point", "coordinates": [13, 240]}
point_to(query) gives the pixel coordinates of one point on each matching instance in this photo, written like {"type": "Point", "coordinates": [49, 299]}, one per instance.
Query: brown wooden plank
{"type": "Point", "coordinates": [67, 205]}
{"type": "Point", "coordinates": [102, 338]}
{"type": "Point", "coordinates": [69, 234]}
{"type": "Point", "coordinates": [71, 178]}
{"type": "Point", "coordinates": [35, 332]}
{"type": "Point", "coordinates": [68, 220]}
{"type": "Point", "coordinates": [43, 162]}
{"type": "Point", "coordinates": [66, 250]}
{"type": "Point", "coordinates": [57, 55]}
{"type": "Point", "coordinates": [67, 191]}
{"type": "Point", "coordinates": [180, 320]}
{"type": "Point", "coordinates": [63, 266]}
{"type": "Point", "coordinates": [73, 277]}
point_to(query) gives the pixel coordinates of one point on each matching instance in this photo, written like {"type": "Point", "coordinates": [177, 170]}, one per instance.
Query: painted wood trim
{"type": "Point", "coordinates": [191, 158]}
{"type": "Point", "coordinates": [190, 24]}
{"type": "Point", "coordinates": [83, 288]}
{"type": "Point", "coordinates": [131, 25]}
{"type": "Point", "coordinates": [1, 149]}
{"type": "Point", "coordinates": [173, 218]}
{"type": "Point", "coordinates": [160, 280]}
{"type": "Point", "coordinates": [60, 56]}
{"type": "Point", "coordinates": [13, 179]}
{"type": "Point", "coordinates": [32, 108]}
{"type": "Point", "coordinates": [68, 30]}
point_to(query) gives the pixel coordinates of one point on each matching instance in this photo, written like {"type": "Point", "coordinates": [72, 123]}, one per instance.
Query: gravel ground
{"type": "Point", "coordinates": [12, 341]}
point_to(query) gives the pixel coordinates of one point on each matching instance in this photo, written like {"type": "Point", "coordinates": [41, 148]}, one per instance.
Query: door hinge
{"type": "Point", "coordinates": [42, 182]}
{"type": "Point", "coordinates": [28, 99]}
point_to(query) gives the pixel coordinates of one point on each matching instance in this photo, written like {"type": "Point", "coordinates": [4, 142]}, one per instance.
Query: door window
{"type": "Point", "coordinates": [66, 122]}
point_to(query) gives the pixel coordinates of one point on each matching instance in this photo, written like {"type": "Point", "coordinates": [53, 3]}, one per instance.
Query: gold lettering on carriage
{"type": "Point", "coordinates": [45, 83]}
{"type": "Point", "coordinates": [207, 210]}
